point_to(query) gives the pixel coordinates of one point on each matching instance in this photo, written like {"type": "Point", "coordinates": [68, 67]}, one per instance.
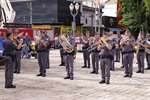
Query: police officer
{"type": "Point", "coordinates": [142, 44]}
{"type": "Point", "coordinates": [128, 44]}
{"type": "Point", "coordinates": [118, 39]}
{"type": "Point", "coordinates": [18, 53]}
{"type": "Point", "coordinates": [48, 49]}
{"type": "Point", "coordinates": [70, 57]}
{"type": "Point", "coordinates": [113, 50]}
{"type": "Point", "coordinates": [148, 55]}
{"type": "Point", "coordinates": [42, 54]}
{"type": "Point", "coordinates": [105, 58]}
{"type": "Point", "coordinates": [62, 53]}
{"type": "Point", "coordinates": [9, 57]}
{"type": "Point", "coordinates": [95, 54]}
{"type": "Point", "coordinates": [86, 53]}
{"type": "Point", "coordinates": [121, 50]}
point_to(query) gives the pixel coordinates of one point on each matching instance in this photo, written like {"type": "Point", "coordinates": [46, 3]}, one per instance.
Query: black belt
{"type": "Point", "coordinates": [141, 50]}
{"type": "Point", "coordinates": [96, 51]}
{"type": "Point", "coordinates": [107, 57]}
{"type": "Point", "coordinates": [18, 49]}
{"type": "Point", "coordinates": [39, 51]}
{"type": "Point", "coordinates": [128, 52]}
{"type": "Point", "coordinates": [12, 56]}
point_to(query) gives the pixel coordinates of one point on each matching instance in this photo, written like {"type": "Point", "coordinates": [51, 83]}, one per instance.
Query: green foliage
{"type": "Point", "coordinates": [134, 14]}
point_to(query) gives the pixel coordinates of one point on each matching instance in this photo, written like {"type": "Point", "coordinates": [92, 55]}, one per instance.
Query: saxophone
{"type": "Point", "coordinates": [137, 46]}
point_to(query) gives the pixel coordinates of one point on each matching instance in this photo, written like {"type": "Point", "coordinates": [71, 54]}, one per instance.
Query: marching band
{"type": "Point", "coordinates": [102, 50]}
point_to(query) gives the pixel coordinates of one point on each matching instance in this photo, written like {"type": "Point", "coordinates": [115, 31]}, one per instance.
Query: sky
{"type": "Point", "coordinates": [109, 9]}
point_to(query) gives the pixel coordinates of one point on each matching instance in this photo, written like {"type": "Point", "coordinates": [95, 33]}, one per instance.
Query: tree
{"type": "Point", "coordinates": [135, 14]}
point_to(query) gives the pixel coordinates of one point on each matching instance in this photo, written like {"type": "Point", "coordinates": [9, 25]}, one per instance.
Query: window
{"type": "Point", "coordinates": [86, 21]}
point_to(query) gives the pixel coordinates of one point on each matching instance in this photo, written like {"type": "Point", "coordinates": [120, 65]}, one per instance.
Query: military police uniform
{"type": "Point", "coordinates": [62, 55]}
{"type": "Point", "coordinates": [105, 61]}
{"type": "Point", "coordinates": [86, 53]}
{"type": "Point", "coordinates": [118, 39]}
{"type": "Point", "coordinates": [18, 56]}
{"type": "Point", "coordinates": [42, 54]}
{"type": "Point", "coordinates": [9, 57]}
{"type": "Point", "coordinates": [70, 59]}
{"type": "Point", "coordinates": [113, 52]}
{"type": "Point", "coordinates": [95, 58]}
{"type": "Point", "coordinates": [48, 50]}
{"type": "Point", "coordinates": [148, 55]}
{"type": "Point", "coordinates": [141, 55]}
{"type": "Point", "coordinates": [121, 50]}
{"type": "Point", "coordinates": [128, 56]}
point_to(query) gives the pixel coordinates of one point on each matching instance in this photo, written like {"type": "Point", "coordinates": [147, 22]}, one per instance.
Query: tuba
{"type": "Point", "coordinates": [147, 50]}
{"type": "Point", "coordinates": [65, 43]}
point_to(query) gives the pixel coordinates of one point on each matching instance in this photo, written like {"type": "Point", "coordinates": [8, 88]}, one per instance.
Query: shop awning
{"type": "Point", "coordinates": [116, 29]}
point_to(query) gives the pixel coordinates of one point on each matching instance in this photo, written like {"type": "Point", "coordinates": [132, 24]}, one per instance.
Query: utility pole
{"type": "Point", "coordinates": [31, 12]}
{"type": "Point", "coordinates": [92, 16]}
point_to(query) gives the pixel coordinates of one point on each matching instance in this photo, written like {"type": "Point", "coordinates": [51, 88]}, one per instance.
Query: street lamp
{"type": "Point", "coordinates": [74, 8]}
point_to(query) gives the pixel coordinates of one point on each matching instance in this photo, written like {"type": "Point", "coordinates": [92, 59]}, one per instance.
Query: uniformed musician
{"type": "Point", "coordinates": [86, 53]}
{"type": "Point", "coordinates": [105, 58]}
{"type": "Point", "coordinates": [148, 55]}
{"type": "Point", "coordinates": [18, 52]}
{"type": "Point", "coordinates": [128, 44]}
{"type": "Point", "coordinates": [48, 49]}
{"type": "Point", "coordinates": [142, 44]}
{"type": "Point", "coordinates": [95, 54]}
{"type": "Point", "coordinates": [70, 56]}
{"type": "Point", "coordinates": [118, 39]}
{"type": "Point", "coordinates": [113, 50]}
{"type": "Point", "coordinates": [9, 57]}
{"type": "Point", "coordinates": [62, 56]}
{"type": "Point", "coordinates": [42, 54]}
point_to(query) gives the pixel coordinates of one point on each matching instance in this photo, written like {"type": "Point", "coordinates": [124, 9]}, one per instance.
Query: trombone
{"type": "Point", "coordinates": [94, 46]}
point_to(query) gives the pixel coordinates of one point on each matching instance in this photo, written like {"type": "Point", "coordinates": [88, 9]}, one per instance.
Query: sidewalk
{"type": "Point", "coordinates": [84, 86]}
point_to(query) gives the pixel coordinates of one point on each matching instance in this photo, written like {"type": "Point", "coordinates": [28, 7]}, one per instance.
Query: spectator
{"type": "Point", "coordinates": [26, 42]}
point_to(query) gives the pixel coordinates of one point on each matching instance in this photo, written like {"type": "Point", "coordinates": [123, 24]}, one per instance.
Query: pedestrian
{"type": "Point", "coordinates": [128, 44]}
{"type": "Point", "coordinates": [105, 58]}
{"type": "Point", "coordinates": [42, 54]}
{"type": "Point", "coordinates": [70, 56]}
{"type": "Point", "coordinates": [26, 42]}
{"type": "Point", "coordinates": [9, 57]}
